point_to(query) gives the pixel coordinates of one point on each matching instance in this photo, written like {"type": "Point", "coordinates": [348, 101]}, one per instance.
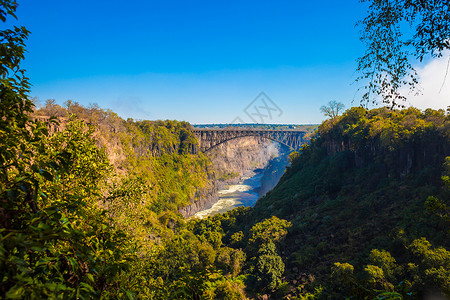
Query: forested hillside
{"type": "Point", "coordinates": [162, 154]}
{"type": "Point", "coordinates": [368, 202]}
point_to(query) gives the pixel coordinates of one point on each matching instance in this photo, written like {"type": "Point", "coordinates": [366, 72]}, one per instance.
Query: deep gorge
{"type": "Point", "coordinates": [233, 160]}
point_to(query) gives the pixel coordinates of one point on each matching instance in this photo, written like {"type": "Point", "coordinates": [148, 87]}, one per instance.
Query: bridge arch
{"type": "Point", "coordinates": [238, 137]}
{"type": "Point", "coordinates": [210, 138]}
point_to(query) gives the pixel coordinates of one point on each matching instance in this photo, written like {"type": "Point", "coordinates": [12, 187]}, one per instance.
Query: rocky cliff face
{"type": "Point", "coordinates": [231, 161]}
{"type": "Point", "coordinates": [235, 158]}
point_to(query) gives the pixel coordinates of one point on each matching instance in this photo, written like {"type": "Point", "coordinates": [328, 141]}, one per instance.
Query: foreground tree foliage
{"type": "Point", "coordinates": [394, 32]}
{"type": "Point", "coordinates": [57, 241]}
{"type": "Point", "coordinates": [54, 240]}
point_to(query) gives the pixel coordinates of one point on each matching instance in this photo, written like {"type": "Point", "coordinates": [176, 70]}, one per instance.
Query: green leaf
{"type": "Point", "coordinates": [90, 277]}
{"type": "Point", "coordinates": [15, 292]}
{"type": "Point", "coordinates": [130, 295]}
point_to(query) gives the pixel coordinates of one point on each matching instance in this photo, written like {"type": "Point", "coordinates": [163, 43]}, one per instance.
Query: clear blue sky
{"type": "Point", "coordinates": [199, 61]}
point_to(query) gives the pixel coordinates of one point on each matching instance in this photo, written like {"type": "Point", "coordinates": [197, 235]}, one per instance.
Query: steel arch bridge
{"type": "Point", "coordinates": [210, 138]}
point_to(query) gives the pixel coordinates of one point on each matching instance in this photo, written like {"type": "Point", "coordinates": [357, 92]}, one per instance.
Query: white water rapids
{"type": "Point", "coordinates": [235, 195]}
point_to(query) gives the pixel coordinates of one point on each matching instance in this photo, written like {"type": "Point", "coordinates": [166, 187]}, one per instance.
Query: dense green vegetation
{"type": "Point", "coordinates": [89, 207]}
{"type": "Point", "coordinates": [358, 199]}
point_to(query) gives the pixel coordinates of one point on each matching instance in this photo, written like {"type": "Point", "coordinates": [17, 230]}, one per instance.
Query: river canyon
{"type": "Point", "coordinates": [245, 169]}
